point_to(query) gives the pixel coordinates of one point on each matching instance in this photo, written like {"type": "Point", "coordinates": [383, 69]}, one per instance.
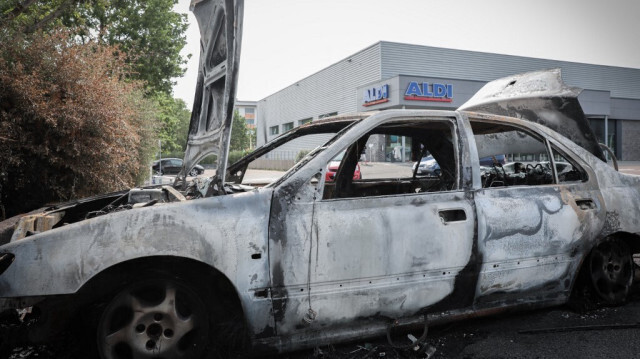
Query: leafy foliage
{"type": "Point", "coordinates": [235, 156]}
{"type": "Point", "coordinates": [239, 133]}
{"type": "Point", "coordinates": [300, 155]}
{"type": "Point", "coordinates": [174, 117]}
{"type": "Point", "coordinates": [69, 126]}
{"type": "Point", "coordinates": [148, 32]}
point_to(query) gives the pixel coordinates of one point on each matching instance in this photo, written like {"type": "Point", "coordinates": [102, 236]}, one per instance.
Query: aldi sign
{"type": "Point", "coordinates": [376, 95]}
{"type": "Point", "coordinates": [429, 92]}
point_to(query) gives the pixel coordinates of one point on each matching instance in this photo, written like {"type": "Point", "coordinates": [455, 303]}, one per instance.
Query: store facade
{"type": "Point", "coordinates": [391, 75]}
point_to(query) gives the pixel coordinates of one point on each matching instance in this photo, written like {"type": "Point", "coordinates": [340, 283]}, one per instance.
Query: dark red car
{"type": "Point", "coordinates": [332, 168]}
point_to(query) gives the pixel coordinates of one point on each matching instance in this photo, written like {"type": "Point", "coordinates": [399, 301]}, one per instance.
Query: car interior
{"type": "Point", "coordinates": [527, 157]}
{"type": "Point", "coordinates": [434, 137]}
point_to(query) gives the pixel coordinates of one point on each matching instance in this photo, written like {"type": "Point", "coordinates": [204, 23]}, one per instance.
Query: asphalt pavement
{"type": "Point", "coordinates": [549, 333]}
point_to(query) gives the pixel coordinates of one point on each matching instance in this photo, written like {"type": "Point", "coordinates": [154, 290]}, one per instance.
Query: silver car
{"type": "Point", "coordinates": [183, 270]}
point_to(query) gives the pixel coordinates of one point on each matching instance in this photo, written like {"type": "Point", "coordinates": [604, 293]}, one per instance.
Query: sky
{"type": "Point", "coordinates": [287, 40]}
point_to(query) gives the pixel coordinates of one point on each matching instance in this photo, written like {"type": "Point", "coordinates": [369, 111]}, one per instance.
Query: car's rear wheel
{"type": "Point", "coordinates": [611, 271]}
{"type": "Point", "coordinates": [194, 172]}
{"type": "Point", "coordinates": [158, 318]}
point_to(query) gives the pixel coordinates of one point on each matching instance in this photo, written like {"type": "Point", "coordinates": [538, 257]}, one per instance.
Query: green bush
{"type": "Point", "coordinates": [234, 156]}
{"type": "Point", "coordinates": [209, 160]}
{"type": "Point", "coordinates": [70, 126]}
{"type": "Point", "coordinates": [301, 155]}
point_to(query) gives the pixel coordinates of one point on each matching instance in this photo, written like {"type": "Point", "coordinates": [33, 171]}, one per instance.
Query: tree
{"type": "Point", "coordinates": [69, 125]}
{"type": "Point", "coordinates": [239, 134]}
{"type": "Point", "coordinates": [174, 118]}
{"type": "Point", "coordinates": [149, 32]}
{"type": "Point", "coordinates": [253, 137]}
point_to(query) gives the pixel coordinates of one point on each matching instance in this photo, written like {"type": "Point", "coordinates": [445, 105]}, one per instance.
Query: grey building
{"type": "Point", "coordinates": [393, 75]}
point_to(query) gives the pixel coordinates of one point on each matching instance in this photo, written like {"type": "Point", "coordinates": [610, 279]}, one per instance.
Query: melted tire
{"type": "Point", "coordinates": [611, 271]}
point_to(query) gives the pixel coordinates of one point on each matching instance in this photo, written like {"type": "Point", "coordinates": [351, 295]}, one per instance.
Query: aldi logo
{"type": "Point", "coordinates": [376, 95]}
{"type": "Point", "coordinates": [429, 92]}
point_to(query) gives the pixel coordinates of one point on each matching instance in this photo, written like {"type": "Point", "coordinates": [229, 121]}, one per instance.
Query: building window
{"type": "Point", "coordinates": [287, 126]}
{"type": "Point", "coordinates": [304, 121]}
{"type": "Point", "coordinates": [249, 113]}
{"type": "Point", "coordinates": [273, 130]}
{"type": "Point", "coordinates": [328, 114]}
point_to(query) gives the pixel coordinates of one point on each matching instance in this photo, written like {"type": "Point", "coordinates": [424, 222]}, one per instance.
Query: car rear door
{"type": "Point", "coordinates": [531, 226]}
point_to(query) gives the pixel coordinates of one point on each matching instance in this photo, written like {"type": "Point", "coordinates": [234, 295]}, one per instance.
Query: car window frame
{"type": "Point", "coordinates": [531, 132]}
{"type": "Point", "coordinates": [453, 124]}
{"type": "Point", "coordinates": [573, 158]}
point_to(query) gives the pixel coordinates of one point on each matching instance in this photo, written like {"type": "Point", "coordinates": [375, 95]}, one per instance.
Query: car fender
{"type": "Point", "coordinates": [228, 233]}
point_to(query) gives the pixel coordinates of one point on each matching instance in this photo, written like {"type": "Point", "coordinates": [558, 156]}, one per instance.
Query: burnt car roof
{"type": "Point", "coordinates": [541, 97]}
{"type": "Point", "coordinates": [325, 125]}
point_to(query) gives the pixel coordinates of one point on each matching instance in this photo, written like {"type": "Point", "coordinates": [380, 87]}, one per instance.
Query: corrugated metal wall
{"type": "Point", "coordinates": [418, 60]}
{"type": "Point", "coordinates": [332, 89]}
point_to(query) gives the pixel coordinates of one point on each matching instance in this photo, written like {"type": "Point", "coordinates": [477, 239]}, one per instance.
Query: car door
{"type": "Point", "coordinates": [385, 250]}
{"type": "Point", "coordinates": [530, 223]}
{"type": "Point", "coordinates": [171, 166]}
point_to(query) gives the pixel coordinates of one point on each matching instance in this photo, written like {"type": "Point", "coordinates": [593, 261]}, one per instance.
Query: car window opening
{"type": "Point", "coordinates": [510, 156]}
{"type": "Point", "coordinates": [349, 174]}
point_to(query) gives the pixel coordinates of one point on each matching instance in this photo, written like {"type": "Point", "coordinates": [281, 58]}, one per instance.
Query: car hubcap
{"type": "Point", "coordinates": [160, 320]}
{"type": "Point", "coordinates": [611, 271]}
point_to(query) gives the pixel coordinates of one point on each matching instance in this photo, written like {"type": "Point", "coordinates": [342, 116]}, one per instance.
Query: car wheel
{"type": "Point", "coordinates": [611, 271]}
{"type": "Point", "coordinates": [194, 172]}
{"type": "Point", "coordinates": [161, 318]}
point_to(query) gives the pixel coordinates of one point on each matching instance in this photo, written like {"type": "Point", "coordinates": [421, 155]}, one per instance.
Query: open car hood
{"type": "Point", "coordinates": [541, 97]}
{"type": "Point", "coordinates": [220, 23]}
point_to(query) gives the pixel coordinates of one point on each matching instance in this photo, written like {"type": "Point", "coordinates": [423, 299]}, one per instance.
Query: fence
{"type": "Point", "coordinates": [275, 160]}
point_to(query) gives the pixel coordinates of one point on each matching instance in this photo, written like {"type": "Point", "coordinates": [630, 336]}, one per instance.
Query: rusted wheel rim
{"type": "Point", "coordinates": [158, 319]}
{"type": "Point", "coordinates": [611, 271]}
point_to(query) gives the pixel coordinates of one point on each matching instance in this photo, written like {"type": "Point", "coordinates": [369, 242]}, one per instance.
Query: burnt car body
{"type": "Point", "coordinates": [172, 271]}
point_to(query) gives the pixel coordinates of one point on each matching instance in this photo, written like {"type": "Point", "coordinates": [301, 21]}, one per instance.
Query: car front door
{"type": "Point", "coordinates": [389, 246]}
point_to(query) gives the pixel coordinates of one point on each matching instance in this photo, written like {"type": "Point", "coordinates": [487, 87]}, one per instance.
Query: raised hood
{"type": "Point", "coordinates": [541, 97]}
{"type": "Point", "coordinates": [220, 23]}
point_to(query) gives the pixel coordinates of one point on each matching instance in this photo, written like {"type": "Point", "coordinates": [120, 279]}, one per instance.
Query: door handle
{"type": "Point", "coordinates": [452, 215]}
{"type": "Point", "coordinates": [586, 204]}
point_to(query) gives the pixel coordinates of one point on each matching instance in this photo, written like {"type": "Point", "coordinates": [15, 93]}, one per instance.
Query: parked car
{"type": "Point", "coordinates": [172, 166]}
{"type": "Point", "coordinates": [333, 166]}
{"type": "Point", "coordinates": [186, 270]}
{"type": "Point", "coordinates": [428, 166]}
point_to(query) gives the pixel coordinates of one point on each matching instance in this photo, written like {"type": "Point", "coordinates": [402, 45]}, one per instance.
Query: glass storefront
{"type": "Point", "coordinates": [394, 146]}
{"type": "Point", "coordinates": [597, 124]}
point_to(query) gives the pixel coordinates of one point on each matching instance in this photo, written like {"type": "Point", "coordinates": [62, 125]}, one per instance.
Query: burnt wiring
{"type": "Point", "coordinates": [420, 342]}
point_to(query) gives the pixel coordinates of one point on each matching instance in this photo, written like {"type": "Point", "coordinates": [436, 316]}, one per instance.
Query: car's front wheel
{"type": "Point", "coordinates": [158, 318]}
{"type": "Point", "coordinates": [194, 172]}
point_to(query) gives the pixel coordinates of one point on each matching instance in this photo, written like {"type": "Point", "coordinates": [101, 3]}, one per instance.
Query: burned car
{"type": "Point", "coordinates": [179, 271]}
